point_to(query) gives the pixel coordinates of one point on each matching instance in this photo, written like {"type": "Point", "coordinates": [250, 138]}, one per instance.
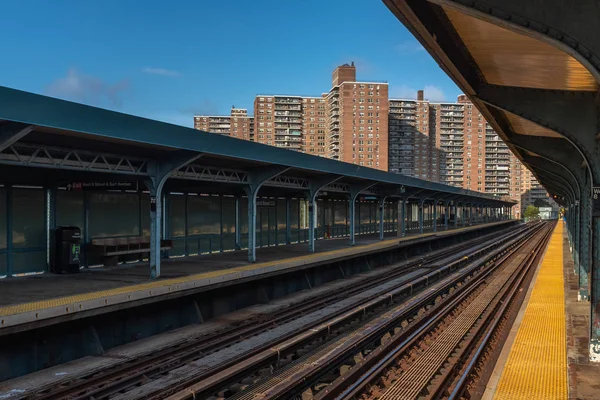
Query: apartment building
{"type": "Point", "coordinates": [314, 125]}
{"type": "Point", "coordinates": [516, 171]}
{"type": "Point", "coordinates": [411, 138]}
{"type": "Point", "coordinates": [357, 120]}
{"type": "Point", "coordinates": [450, 139]}
{"type": "Point", "coordinates": [451, 143]}
{"type": "Point", "coordinates": [237, 124]}
{"type": "Point", "coordinates": [278, 121]}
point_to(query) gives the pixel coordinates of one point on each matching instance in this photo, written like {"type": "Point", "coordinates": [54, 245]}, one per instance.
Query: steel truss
{"type": "Point", "coordinates": [88, 161]}
{"type": "Point", "coordinates": [59, 158]}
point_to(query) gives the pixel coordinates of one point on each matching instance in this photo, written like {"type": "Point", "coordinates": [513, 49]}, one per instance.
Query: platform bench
{"type": "Point", "coordinates": [110, 249]}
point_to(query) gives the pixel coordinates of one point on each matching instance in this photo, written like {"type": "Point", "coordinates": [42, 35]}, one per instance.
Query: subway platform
{"type": "Point", "coordinates": [545, 356]}
{"type": "Point", "coordinates": [30, 301]}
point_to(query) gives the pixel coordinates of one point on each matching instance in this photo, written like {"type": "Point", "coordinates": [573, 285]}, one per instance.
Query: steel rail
{"type": "Point", "coordinates": [131, 373]}
{"type": "Point", "coordinates": [354, 382]}
{"type": "Point", "coordinates": [460, 386]}
{"type": "Point", "coordinates": [211, 381]}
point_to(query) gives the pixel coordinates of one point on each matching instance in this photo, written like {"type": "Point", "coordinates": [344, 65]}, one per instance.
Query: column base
{"type": "Point", "coordinates": [594, 351]}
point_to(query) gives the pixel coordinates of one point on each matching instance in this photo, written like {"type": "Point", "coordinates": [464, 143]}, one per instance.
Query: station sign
{"type": "Point", "coordinates": [103, 185]}
{"type": "Point", "coordinates": [265, 203]}
{"type": "Point", "coordinates": [596, 201]}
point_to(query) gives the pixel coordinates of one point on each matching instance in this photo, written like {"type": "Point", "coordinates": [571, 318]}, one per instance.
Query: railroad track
{"type": "Point", "coordinates": [107, 383]}
{"type": "Point", "coordinates": [316, 370]}
{"type": "Point", "coordinates": [443, 357]}
{"type": "Point", "coordinates": [230, 378]}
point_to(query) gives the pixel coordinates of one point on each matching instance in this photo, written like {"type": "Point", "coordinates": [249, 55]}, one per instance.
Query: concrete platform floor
{"type": "Point", "coordinates": [18, 290]}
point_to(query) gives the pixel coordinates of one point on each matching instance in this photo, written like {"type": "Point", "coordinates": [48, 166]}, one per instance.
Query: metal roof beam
{"type": "Point", "coordinates": [574, 115]}
{"type": "Point", "coordinates": [557, 173]}
{"type": "Point", "coordinates": [553, 150]}
{"type": "Point", "coordinates": [573, 27]}
{"type": "Point", "coordinates": [12, 132]}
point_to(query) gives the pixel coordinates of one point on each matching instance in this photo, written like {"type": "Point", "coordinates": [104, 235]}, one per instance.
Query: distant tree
{"type": "Point", "coordinates": [531, 212]}
{"type": "Point", "coordinates": [541, 203]}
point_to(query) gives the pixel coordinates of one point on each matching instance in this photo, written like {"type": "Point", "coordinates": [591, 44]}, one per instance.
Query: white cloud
{"type": "Point", "coordinates": [431, 93]}
{"type": "Point", "coordinates": [409, 47]}
{"type": "Point", "coordinates": [161, 71]}
{"type": "Point", "coordinates": [403, 92]}
{"type": "Point", "coordinates": [88, 89]}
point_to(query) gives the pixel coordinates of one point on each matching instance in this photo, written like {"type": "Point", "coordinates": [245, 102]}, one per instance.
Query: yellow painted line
{"type": "Point", "coordinates": [70, 300]}
{"type": "Point", "coordinates": [537, 364]}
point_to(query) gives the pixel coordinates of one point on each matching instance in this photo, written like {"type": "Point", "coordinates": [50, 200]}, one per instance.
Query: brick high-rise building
{"type": "Point", "coordinates": [278, 121]}
{"type": "Point", "coordinates": [446, 142]}
{"type": "Point", "coordinates": [237, 124]}
{"type": "Point", "coordinates": [314, 125]}
{"type": "Point", "coordinates": [515, 183]}
{"type": "Point", "coordinates": [452, 143]}
{"type": "Point", "coordinates": [357, 120]}
{"type": "Point", "coordinates": [411, 139]}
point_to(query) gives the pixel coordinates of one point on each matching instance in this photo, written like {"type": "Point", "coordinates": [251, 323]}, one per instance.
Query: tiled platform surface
{"type": "Point", "coordinates": [31, 299]}
{"type": "Point", "coordinates": [537, 364]}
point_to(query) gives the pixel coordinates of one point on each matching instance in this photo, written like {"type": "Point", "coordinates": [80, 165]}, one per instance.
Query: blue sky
{"type": "Point", "coordinates": [169, 60]}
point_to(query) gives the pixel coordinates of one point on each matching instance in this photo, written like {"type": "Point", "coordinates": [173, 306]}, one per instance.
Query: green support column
{"type": "Point", "coordinates": [238, 227]}
{"type": "Point", "coordinates": [51, 220]}
{"type": "Point", "coordinates": [9, 231]}
{"type": "Point", "coordinates": [446, 212]}
{"type": "Point", "coordinates": [456, 214]}
{"type": "Point", "coordinates": [594, 350]}
{"type": "Point", "coordinates": [585, 227]}
{"type": "Point", "coordinates": [575, 217]}
{"type": "Point", "coordinates": [434, 222]}
{"type": "Point", "coordinates": [352, 214]}
{"type": "Point", "coordinates": [381, 216]}
{"type": "Point", "coordinates": [402, 218]}
{"type": "Point", "coordinates": [288, 221]}
{"type": "Point", "coordinates": [421, 215]}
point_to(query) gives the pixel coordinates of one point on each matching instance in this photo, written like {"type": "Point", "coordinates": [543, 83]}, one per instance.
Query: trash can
{"type": "Point", "coordinates": [66, 250]}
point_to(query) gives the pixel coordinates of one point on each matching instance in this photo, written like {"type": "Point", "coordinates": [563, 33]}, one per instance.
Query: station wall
{"type": "Point", "coordinates": [197, 223]}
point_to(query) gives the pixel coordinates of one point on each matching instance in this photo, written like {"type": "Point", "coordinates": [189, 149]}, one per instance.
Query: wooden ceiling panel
{"type": "Point", "coordinates": [512, 59]}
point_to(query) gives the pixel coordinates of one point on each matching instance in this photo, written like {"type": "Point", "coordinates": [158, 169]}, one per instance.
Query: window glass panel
{"type": "Point", "coordinates": [114, 214]}
{"type": "Point", "coordinates": [340, 212]}
{"type": "Point", "coordinates": [29, 230]}
{"type": "Point", "coordinates": [204, 215]}
{"type": "Point", "coordinates": [281, 214]}
{"type": "Point", "coordinates": [145, 214]}
{"type": "Point", "coordinates": [228, 214]}
{"type": "Point", "coordinates": [29, 261]}
{"type": "Point", "coordinates": [294, 208]}
{"type": "Point", "coordinates": [176, 215]}
{"type": "Point", "coordinates": [3, 265]}
{"type": "Point", "coordinates": [69, 208]}
{"type": "Point", "coordinates": [244, 221]}
{"type": "Point", "coordinates": [176, 228]}
{"type": "Point", "coordinates": [3, 218]}
{"type": "Point", "coordinates": [29, 219]}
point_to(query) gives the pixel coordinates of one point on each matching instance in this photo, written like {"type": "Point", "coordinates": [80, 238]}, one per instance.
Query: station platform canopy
{"type": "Point", "coordinates": [51, 142]}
